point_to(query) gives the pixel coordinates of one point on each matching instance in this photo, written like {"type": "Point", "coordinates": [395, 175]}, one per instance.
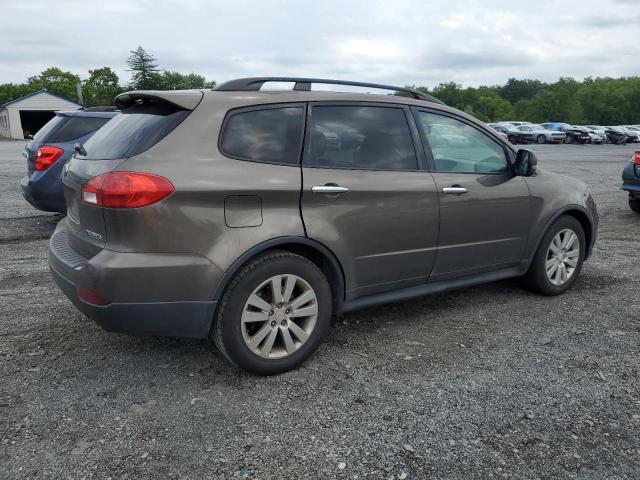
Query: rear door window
{"type": "Point", "coordinates": [361, 137]}
{"type": "Point", "coordinates": [269, 135]}
{"type": "Point", "coordinates": [134, 131]}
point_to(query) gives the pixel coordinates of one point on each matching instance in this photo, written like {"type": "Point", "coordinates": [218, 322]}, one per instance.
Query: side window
{"type": "Point", "coordinates": [458, 147]}
{"type": "Point", "coordinates": [360, 137]}
{"type": "Point", "coordinates": [271, 135]}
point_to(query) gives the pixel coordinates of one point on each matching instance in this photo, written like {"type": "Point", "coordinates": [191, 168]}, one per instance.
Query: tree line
{"type": "Point", "coordinates": [593, 101]}
{"type": "Point", "coordinates": [599, 101]}
{"type": "Point", "coordinates": [103, 84]}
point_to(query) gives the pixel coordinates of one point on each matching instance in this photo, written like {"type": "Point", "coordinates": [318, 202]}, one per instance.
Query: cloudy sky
{"type": "Point", "coordinates": [471, 42]}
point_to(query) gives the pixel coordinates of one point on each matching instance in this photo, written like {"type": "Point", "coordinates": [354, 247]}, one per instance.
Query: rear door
{"type": "Point", "coordinates": [367, 196]}
{"type": "Point", "coordinates": [484, 208]}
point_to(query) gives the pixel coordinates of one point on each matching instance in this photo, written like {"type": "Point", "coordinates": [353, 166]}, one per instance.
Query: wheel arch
{"type": "Point", "coordinates": [579, 213]}
{"type": "Point", "coordinates": [312, 250]}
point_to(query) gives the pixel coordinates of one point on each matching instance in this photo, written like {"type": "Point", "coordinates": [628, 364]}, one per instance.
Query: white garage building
{"type": "Point", "coordinates": [26, 115]}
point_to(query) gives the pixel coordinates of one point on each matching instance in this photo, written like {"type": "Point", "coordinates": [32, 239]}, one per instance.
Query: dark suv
{"type": "Point", "coordinates": [251, 216]}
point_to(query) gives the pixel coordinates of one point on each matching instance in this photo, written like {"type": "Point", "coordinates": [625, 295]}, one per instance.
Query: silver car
{"type": "Point", "coordinates": [542, 135]}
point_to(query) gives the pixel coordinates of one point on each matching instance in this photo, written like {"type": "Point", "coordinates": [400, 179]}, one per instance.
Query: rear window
{"type": "Point", "coordinates": [62, 129]}
{"type": "Point", "coordinates": [50, 126]}
{"type": "Point", "coordinates": [134, 131]}
{"type": "Point", "coordinates": [271, 135]}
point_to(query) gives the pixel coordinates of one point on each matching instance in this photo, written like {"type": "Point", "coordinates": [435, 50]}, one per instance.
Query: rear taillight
{"type": "Point", "coordinates": [47, 156]}
{"type": "Point", "coordinates": [636, 158]}
{"type": "Point", "coordinates": [126, 190]}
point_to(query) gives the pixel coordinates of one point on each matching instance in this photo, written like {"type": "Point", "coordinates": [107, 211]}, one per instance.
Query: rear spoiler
{"type": "Point", "coordinates": [185, 99]}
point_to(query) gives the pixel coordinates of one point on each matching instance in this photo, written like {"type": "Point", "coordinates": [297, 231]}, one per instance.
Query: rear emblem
{"type": "Point", "coordinates": [94, 235]}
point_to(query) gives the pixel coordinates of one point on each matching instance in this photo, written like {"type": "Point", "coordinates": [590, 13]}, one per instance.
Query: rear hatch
{"type": "Point", "coordinates": [61, 129]}
{"type": "Point", "coordinates": [146, 118]}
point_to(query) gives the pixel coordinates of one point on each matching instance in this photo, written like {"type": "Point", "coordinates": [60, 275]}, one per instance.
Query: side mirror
{"type": "Point", "coordinates": [526, 163]}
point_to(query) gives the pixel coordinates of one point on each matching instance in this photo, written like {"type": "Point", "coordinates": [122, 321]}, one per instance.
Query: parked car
{"type": "Point", "coordinates": [513, 135]}
{"type": "Point", "coordinates": [617, 135]}
{"type": "Point", "coordinates": [574, 134]}
{"type": "Point", "coordinates": [631, 181]}
{"type": "Point", "coordinates": [542, 135]}
{"type": "Point", "coordinates": [597, 134]}
{"type": "Point", "coordinates": [213, 213]}
{"type": "Point", "coordinates": [50, 149]}
{"type": "Point", "coordinates": [633, 136]}
{"type": "Point", "coordinates": [635, 130]}
{"type": "Point", "coordinates": [517, 124]}
{"type": "Point", "coordinates": [613, 136]}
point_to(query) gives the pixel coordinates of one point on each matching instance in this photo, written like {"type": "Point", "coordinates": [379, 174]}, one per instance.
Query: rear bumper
{"type": "Point", "coordinates": [631, 179]}
{"type": "Point", "coordinates": [42, 195]}
{"type": "Point", "coordinates": [174, 317]}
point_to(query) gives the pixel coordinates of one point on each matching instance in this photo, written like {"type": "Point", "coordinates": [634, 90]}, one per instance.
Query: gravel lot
{"type": "Point", "coordinates": [486, 382]}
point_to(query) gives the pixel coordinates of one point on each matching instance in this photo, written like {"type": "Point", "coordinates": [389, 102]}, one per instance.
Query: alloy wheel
{"type": "Point", "coordinates": [279, 316]}
{"type": "Point", "coordinates": [562, 256]}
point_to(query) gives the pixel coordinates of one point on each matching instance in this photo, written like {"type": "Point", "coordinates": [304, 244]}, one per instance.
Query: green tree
{"type": "Point", "coordinates": [56, 81]}
{"type": "Point", "coordinates": [172, 80]}
{"type": "Point", "coordinates": [515, 90]}
{"type": "Point", "coordinates": [493, 108]}
{"type": "Point", "coordinates": [145, 74]}
{"type": "Point", "coordinates": [101, 87]}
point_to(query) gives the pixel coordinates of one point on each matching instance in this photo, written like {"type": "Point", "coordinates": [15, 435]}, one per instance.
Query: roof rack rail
{"type": "Point", "coordinates": [252, 84]}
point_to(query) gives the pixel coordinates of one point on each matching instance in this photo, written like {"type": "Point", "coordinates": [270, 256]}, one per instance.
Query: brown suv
{"type": "Point", "coordinates": [251, 216]}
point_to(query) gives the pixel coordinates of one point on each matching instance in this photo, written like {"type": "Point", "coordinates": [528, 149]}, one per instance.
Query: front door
{"type": "Point", "coordinates": [484, 208]}
{"type": "Point", "coordinates": [367, 196]}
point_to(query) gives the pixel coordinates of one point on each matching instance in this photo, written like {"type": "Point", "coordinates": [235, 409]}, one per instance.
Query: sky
{"type": "Point", "coordinates": [399, 42]}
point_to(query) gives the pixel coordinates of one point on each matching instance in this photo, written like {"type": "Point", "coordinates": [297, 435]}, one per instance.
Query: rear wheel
{"type": "Point", "coordinates": [569, 139]}
{"type": "Point", "coordinates": [274, 314]}
{"type": "Point", "coordinates": [541, 139]}
{"type": "Point", "coordinates": [559, 258]}
{"type": "Point", "coordinates": [634, 204]}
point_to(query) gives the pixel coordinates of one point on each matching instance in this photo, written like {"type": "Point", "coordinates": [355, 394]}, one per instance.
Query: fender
{"type": "Point", "coordinates": [274, 243]}
{"type": "Point", "coordinates": [555, 216]}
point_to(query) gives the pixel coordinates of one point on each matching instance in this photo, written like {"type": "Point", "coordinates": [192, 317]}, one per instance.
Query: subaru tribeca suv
{"type": "Point", "coordinates": [252, 216]}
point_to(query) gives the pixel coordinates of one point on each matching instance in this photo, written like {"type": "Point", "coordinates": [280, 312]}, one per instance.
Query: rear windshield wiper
{"type": "Point", "coordinates": [78, 147]}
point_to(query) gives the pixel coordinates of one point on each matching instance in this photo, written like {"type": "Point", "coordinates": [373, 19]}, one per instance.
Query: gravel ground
{"type": "Point", "coordinates": [486, 382]}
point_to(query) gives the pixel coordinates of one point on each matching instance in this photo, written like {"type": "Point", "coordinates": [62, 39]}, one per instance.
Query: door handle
{"type": "Point", "coordinates": [329, 189]}
{"type": "Point", "coordinates": [455, 190]}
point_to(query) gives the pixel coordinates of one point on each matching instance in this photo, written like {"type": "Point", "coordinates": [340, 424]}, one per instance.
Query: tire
{"type": "Point", "coordinates": [541, 139]}
{"type": "Point", "coordinates": [271, 353]}
{"type": "Point", "coordinates": [634, 204]}
{"type": "Point", "coordinates": [569, 139]}
{"type": "Point", "coordinates": [537, 277]}
{"type": "Point", "coordinates": [513, 140]}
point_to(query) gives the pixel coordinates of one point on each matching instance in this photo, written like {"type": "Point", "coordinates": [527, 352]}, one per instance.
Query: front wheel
{"type": "Point", "coordinates": [541, 139]}
{"type": "Point", "coordinates": [559, 258]}
{"type": "Point", "coordinates": [274, 314]}
{"type": "Point", "coordinates": [569, 139]}
{"type": "Point", "coordinates": [634, 204]}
